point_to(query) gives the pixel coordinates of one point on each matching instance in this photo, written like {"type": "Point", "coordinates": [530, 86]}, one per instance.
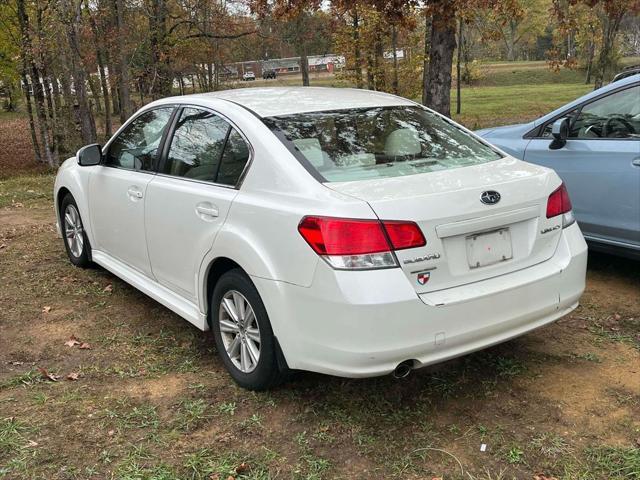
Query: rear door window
{"type": "Point", "coordinates": [196, 146]}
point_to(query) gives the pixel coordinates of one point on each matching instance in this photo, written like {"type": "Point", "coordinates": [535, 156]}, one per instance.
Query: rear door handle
{"type": "Point", "coordinates": [207, 211]}
{"type": "Point", "coordinates": [134, 193]}
{"type": "Point", "coordinates": [636, 162]}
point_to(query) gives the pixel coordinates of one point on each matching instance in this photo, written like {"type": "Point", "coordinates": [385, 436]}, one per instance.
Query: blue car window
{"type": "Point", "coordinates": [614, 116]}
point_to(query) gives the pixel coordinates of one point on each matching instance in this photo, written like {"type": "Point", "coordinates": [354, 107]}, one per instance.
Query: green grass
{"type": "Point", "coordinates": [500, 105]}
{"type": "Point", "coordinates": [615, 463]}
{"type": "Point", "coordinates": [24, 191]}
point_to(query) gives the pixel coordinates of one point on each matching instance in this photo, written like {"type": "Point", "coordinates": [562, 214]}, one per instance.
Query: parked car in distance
{"type": "Point", "coordinates": [593, 143]}
{"type": "Point", "coordinates": [340, 231]}
{"type": "Point", "coordinates": [269, 74]}
{"type": "Point", "coordinates": [248, 76]}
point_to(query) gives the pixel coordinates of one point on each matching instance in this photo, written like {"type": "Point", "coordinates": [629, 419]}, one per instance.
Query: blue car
{"type": "Point", "coordinates": [594, 145]}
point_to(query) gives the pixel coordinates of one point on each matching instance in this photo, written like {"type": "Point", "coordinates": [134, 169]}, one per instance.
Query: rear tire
{"type": "Point", "coordinates": [74, 236]}
{"type": "Point", "coordinates": [242, 332]}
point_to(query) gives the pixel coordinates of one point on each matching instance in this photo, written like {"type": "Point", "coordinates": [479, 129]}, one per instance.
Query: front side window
{"type": "Point", "coordinates": [380, 142]}
{"type": "Point", "coordinates": [614, 116]}
{"type": "Point", "coordinates": [136, 147]}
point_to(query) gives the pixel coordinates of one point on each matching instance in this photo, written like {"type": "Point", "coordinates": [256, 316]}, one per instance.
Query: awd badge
{"type": "Point", "coordinates": [424, 277]}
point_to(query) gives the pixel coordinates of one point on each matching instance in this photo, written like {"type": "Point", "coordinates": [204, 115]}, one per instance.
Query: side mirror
{"type": "Point", "coordinates": [89, 155]}
{"type": "Point", "coordinates": [560, 133]}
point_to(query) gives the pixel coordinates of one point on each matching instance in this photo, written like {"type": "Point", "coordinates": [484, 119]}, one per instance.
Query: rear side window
{"type": "Point", "coordinates": [380, 142]}
{"type": "Point", "coordinates": [136, 147]}
{"type": "Point", "coordinates": [234, 159]}
{"type": "Point", "coordinates": [206, 147]}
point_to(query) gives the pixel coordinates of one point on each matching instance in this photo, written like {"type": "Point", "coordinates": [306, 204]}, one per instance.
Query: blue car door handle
{"type": "Point", "coordinates": [636, 162]}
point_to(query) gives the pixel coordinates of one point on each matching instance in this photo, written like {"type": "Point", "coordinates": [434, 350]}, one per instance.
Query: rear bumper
{"type": "Point", "coordinates": [361, 324]}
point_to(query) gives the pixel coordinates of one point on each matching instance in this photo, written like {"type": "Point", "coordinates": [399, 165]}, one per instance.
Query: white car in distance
{"type": "Point", "coordinates": [340, 231]}
{"type": "Point", "coordinates": [248, 76]}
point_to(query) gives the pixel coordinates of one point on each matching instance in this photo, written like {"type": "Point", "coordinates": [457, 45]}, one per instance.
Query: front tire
{"type": "Point", "coordinates": [75, 238]}
{"type": "Point", "coordinates": [242, 332]}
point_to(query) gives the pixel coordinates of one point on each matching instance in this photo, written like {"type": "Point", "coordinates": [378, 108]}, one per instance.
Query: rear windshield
{"type": "Point", "coordinates": [360, 144]}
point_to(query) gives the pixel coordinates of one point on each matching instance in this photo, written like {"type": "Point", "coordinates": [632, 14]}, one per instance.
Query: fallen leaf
{"type": "Point", "coordinates": [47, 375]}
{"type": "Point", "coordinates": [73, 376]}
{"type": "Point", "coordinates": [108, 288]}
{"type": "Point", "coordinates": [72, 342]}
{"type": "Point", "coordinates": [214, 476]}
{"type": "Point", "coordinates": [18, 204]}
{"type": "Point", "coordinates": [84, 346]}
{"type": "Point", "coordinates": [617, 316]}
{"type": "Point", "coordinates": [638, 441]}
{"type": "Point", "coordinates": [32, 444]}
{"type": "Point", "coordinates": [111, 433]}
{"type": "Point", "coordinates": [46, 309]}
{"type": "Point", "coordinates": [542, 476]}
{"type": "Point", "coordinates": [242, 468]}
{"type": "Point", "coordinates": [231, 477]}
{"type": "Point", "coordinates": [3, 245]}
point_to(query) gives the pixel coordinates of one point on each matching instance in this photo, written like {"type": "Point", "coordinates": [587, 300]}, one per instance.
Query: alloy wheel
{"type": "Point", "coordinates": [240, 331]}
{"type": "Point", "coordinates": [73, 230]}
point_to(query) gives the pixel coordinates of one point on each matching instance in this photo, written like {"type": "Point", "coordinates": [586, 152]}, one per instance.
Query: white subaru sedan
{"type": "Point", "coordinates": [340, 231]}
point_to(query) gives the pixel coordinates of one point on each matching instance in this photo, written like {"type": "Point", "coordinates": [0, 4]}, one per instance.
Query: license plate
{"type": "Point", "coordinates": [489, 248]}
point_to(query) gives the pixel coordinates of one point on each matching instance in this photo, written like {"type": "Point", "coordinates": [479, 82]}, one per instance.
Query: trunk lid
{"type": "Point", "coordinates": [467, 240]}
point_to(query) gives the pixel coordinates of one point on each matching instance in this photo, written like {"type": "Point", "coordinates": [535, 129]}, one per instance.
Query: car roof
{"type": "Point", "coordinates": [622, 83]}
{"type": "Point", "coordinates": [275, 101]}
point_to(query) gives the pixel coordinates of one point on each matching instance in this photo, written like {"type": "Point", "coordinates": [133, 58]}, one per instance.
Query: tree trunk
{"type": "Point", "coordinates": [511, 41]}
{"type": "Point", "coordinates": [100, 58]}
{"type": "Point", "coordinates": [302, 48]}
{"type": "Point", "coordinates": [458, 72]}
{"type": "Point", "coordinates": [69, 120]}
{"type": "Point", "coordinates": [85, 116]}
{"type": "Point", "coordinates": [378, 61]}
{"type": "Point", "coordinates": [357, 53]}
{"type": "Point", "coordinates": [371, 84]}
{"type": "Point", "coordinates": [592, 48]}
{"type": "Point", "coordinates": [123, 69]}
{"type": "Point", "coordinates": [437, 93]}
{"type": "Point", "coordinates": [394, 46]}
{"type": "Point", "coordinates": [95, 93]}
{"type": "Point", "coordinates": [32, 123]}
{"type": "Point", "coordinates": [611, 25]}
{"type": "Point", "coordinates": [60, 125]}
{"type": "Point", "coordinates": [112, 71]}
{"type": "Point", "coordinates": [163, 77]}
{"type": "Point", "coordinates": [38, 93]}
{"type": "Point", "coordinates": [425, 63]}
{"type": "Point", "coordinates": [209, 76]}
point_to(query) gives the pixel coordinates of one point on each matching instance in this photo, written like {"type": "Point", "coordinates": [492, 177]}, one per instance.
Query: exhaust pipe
{"type": "Point", "coordinates": [403, 369]}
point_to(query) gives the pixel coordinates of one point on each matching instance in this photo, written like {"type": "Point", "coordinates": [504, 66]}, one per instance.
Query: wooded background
{"type": "Point", "coordinates": [79, 68]}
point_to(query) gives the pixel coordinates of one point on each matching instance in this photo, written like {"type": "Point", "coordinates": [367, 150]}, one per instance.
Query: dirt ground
{"type": "Point", "coordinates": [147, 398]}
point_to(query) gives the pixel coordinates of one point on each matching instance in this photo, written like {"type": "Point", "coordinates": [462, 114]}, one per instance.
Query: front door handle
{"type": "Point", "coordinates": [636, 162]}
{"type": "Point", "coordinates": [134, 193]}
{"type": "Point", "coordinates": [207, 211]}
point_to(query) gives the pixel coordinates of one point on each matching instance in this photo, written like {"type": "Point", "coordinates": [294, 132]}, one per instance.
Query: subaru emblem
{"type": "Point", "coordinates": [490, 197]}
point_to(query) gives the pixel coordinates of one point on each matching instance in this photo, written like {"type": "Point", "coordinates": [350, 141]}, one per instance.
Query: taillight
{"type": "Point", "coordinates": [404, 234]}
{"type": "Point", "coordinates": [359, 244]}
{"type": "Point", "coordinates": [560, 204]}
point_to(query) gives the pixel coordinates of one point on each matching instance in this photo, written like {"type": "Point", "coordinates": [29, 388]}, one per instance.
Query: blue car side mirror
{"type": "Point", "coordinates": [560, 133]}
